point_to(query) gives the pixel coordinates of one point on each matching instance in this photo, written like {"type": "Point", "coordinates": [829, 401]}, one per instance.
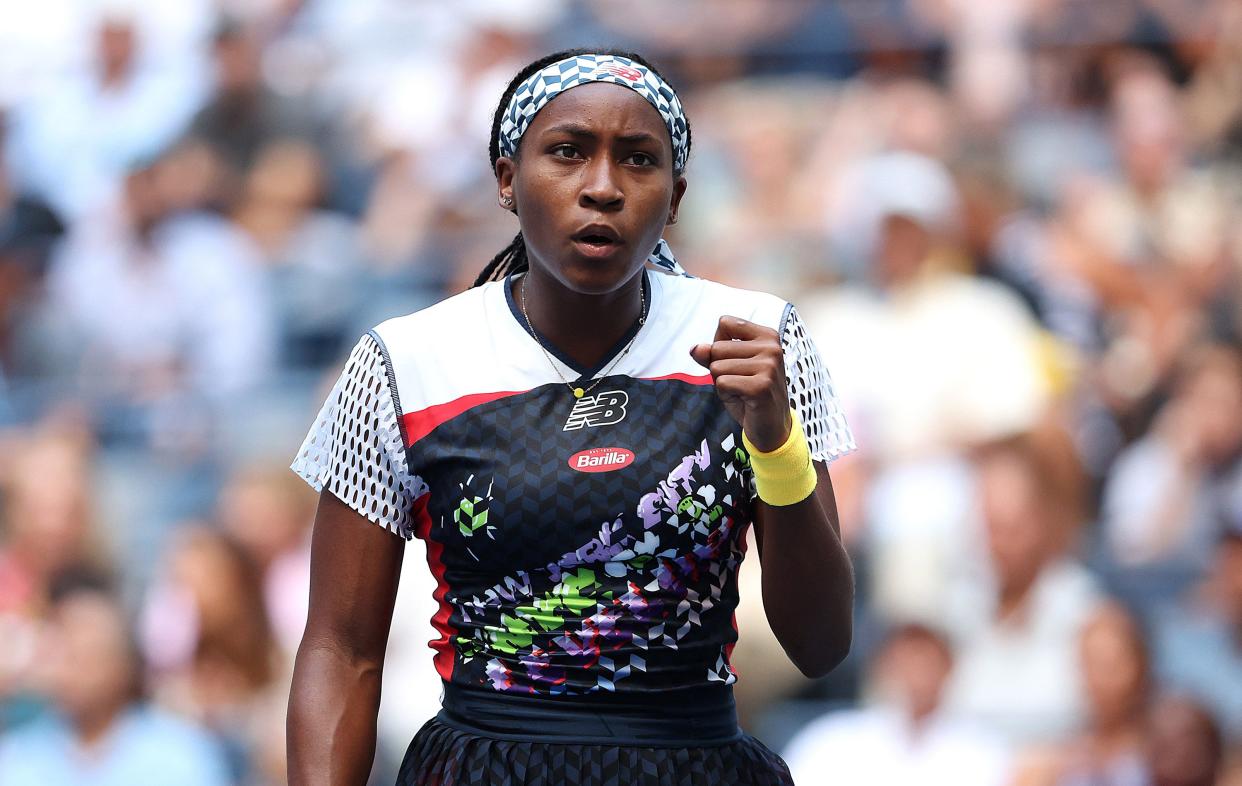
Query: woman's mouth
{"type": "Point", "coordinates": [597, 241]}
{"type": "Point", "coordinates": [596, 249]}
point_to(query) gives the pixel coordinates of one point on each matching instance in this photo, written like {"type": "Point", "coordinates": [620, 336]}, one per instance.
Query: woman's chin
{"type": "Point", "coordinates": [597, 276]}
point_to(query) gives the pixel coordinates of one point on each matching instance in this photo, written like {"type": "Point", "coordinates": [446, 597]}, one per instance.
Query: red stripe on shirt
{"type": "Point", "coordinates": [706, 379]}
{"type": "Point", "coordinates": [435, 550]}
{"type": "Point", "coordinates": [421, 423]}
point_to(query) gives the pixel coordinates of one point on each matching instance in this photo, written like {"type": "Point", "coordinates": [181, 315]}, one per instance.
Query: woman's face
{"type": "Point", "coordinates": [1183, 748]}
{"type": "Point", "coordinates": [1017, 534]}
{"type": "Point", "coordinates": [1114, 666]}
{"type": "Point", "coordinates": [593, 186]}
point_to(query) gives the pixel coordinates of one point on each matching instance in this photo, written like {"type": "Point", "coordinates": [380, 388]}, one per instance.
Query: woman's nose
{"type": "Point", "coordinates": [600, 188]}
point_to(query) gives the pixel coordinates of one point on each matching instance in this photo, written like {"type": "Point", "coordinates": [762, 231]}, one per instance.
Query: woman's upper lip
{"type": "Point", "coordinates": [598, 230]}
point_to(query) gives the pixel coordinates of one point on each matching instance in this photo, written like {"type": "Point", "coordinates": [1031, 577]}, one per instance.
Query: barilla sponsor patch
{"type": "Point", "coordinates": [601, 459]}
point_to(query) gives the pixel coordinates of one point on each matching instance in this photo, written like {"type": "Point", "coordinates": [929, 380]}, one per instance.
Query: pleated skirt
{"type": "Point", "coordinates": [441, 755]}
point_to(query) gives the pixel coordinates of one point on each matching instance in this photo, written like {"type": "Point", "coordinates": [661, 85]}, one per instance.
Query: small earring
{"type": "Point", "coordinates": [506, 200]}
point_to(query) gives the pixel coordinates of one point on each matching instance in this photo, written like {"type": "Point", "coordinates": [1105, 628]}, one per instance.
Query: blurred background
{"type": "Point", "coordinates": [1014, 228]}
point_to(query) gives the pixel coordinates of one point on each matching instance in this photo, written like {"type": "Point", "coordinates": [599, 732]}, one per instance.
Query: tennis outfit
{"type": "Point", "coordinates": [586, 550]}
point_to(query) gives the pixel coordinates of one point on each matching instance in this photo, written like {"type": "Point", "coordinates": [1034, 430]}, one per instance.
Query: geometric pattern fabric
{"type": "Point", "coordinates": [445, 756]}
{"type": "Point", "coordinates": [565, 582]}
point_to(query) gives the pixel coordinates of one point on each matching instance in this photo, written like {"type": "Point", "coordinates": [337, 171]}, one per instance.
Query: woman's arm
{"type": "Point", "coordinates": [808, 582]}
{"type": "Point", "coordinates": [334, 700]}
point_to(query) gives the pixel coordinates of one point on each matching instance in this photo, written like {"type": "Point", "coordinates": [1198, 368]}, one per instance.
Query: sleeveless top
{"type": "Point", "coordinates": [581, 547]}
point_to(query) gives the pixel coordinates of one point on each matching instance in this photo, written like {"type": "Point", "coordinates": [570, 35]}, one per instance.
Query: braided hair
{"type": "Point", "coordinates": [512, 259]}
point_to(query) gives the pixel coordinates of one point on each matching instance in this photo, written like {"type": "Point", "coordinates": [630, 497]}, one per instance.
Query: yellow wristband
{"type": "Point", "coordinates": [784, 476]}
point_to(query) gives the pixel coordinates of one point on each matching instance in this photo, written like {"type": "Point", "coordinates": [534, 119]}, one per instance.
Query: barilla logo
{"type": "Point", "coordinates": [601, 459]}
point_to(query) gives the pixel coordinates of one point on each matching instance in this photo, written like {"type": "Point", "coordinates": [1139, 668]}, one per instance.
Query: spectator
{"type": "Point", "coordinates": [902, 219]}
{"type": "Point", "coordinates": [905, 737]}
{"type": "Point", "coordinates": [1167, 491]}
{"type": "Point", "coordinates": [45, 529]}
{"type": "Point", "coordinates": [311, 255]}
{"type": "Point", "coordinates": [74, 142]}
{"type": "Point", "coordinates": [1116, 676]}
{"type": "Point", "coordinates": [1117, 679]}
{"type": "Point", "coordinates": [900, 212]}
{"type": "Point", "coordinates": [209, 640]}
{"type": "Point", "coordinates": [46, 524]}
{"type": "Point", "coordinates": [268, 512]}
{"type": "Point", "coordinates": [1199, 643]}
{"type": "Point", "coordinates": [160, 307]}
{"type": "Point", "coordinates": [728, 32]}
{"type": "Point", "coordinates": [244, 115]}
{"type": "Point", "coordinates": [1017, 627]}
{"type": "Point", "coordinates": [28, 229]}
{"type": "Point", "coordinates": [1149, 243]}
{"type": "Point", "coordinates": [1184, 745]}
{"type": "Point", "coordinates": [102, 732]}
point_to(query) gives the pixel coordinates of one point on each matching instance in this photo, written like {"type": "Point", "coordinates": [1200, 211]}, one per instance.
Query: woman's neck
{"type": "Point", "coordinates": [583, 327]}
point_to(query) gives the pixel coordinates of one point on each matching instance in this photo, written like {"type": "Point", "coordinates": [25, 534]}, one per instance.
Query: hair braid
{"type": "Point", "coordinates": [513, 258]}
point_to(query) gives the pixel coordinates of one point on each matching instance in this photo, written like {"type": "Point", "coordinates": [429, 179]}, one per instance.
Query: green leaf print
{"type": "Point", "coordinates": [542, 614]}
{"type": "Point", "coordinates": [515, 635]}
{"type": "Point", "coordinates": [468, 647]}
{"type": "Point", "coordinates": [466, 519]}
{"type": "Point", "coordinates": [573, 587]}
{"type": "Point", "coordinates": [568, 599]}
{"type": "Point", "coordinates": [690, 505]}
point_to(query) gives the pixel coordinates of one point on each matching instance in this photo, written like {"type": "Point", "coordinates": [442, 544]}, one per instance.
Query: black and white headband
{"type": "Point", "coordinates": [534, 93]}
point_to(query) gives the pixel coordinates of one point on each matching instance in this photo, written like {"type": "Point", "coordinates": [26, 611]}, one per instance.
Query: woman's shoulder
{"type": "Point", "coordinates": [714, 299]}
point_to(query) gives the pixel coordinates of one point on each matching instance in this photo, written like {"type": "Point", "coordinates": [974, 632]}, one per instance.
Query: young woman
{"type": "Point", "coordinates": [582, 441]}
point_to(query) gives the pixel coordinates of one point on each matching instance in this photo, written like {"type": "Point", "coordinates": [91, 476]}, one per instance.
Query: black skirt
{"type": "Point", "coordinates": [442, 755]}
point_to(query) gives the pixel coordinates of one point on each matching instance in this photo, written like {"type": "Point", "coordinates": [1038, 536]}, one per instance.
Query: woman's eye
{"type": "Point", "coordinates": [565, 151]}
{"type": "Point", "coordinates": [643, 159]}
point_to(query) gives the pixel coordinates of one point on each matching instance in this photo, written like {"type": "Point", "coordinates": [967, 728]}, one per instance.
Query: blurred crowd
{"type": "Point", "coordinates": [1014, 228]}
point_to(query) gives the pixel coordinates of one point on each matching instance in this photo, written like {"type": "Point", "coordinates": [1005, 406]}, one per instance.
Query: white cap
{"type": "Point", "coordinates": [896, 183]}
{"type": "Point", "coordinates": [910, 185]}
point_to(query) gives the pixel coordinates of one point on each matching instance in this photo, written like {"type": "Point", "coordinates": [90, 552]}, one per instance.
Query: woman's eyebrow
{"type": "Point", "coordinates": [578, 130]}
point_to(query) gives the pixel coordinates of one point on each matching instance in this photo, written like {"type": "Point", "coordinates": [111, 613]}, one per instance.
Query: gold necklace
{"type": "Point", "coordinates": [577, 391]}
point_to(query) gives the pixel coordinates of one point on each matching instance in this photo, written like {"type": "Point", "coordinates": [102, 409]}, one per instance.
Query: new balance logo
{"type": "Point", "coordinates": [602, 409]}
{"type": "Point", "coordinates": [625, 72]}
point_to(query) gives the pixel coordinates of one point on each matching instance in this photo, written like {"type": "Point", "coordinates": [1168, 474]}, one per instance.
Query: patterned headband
{"type": "Point", "coordinates": [541, 87]}
{"type": "Point", "coordinates": [534, 93]}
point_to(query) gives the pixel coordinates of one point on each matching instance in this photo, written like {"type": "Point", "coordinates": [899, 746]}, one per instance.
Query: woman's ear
{"type": "Point", "coordinates": [505, 168]}
{"type": "Point", "coordinates": [679, 190]}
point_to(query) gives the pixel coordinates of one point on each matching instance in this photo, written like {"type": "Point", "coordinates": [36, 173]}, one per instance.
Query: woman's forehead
{"type": "Point", "coordinates": [601, 108]}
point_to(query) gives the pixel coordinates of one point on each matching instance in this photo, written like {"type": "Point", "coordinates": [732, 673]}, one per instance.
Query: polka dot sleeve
{"type": "Point", "coordinates": [355, 449]}
{"type": "Point", "coordinates": [811, 394]}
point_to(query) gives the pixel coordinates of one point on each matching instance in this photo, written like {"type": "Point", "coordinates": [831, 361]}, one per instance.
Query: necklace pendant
{"type": "Point", "coordinates": [579, 392]}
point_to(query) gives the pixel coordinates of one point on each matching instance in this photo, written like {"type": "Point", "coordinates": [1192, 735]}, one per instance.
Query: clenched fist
{"type": "Point", "coordinates": [748, 369]}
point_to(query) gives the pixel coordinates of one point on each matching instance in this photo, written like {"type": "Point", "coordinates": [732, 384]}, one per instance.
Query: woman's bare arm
{"type": "Point", "coordinates": [334, 700]}
{"type": "Point", "coordinates": [808, 581]}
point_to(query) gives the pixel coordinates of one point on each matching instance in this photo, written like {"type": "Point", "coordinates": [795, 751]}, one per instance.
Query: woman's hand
{"type": "Point", "coordinates": [747, 364]}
